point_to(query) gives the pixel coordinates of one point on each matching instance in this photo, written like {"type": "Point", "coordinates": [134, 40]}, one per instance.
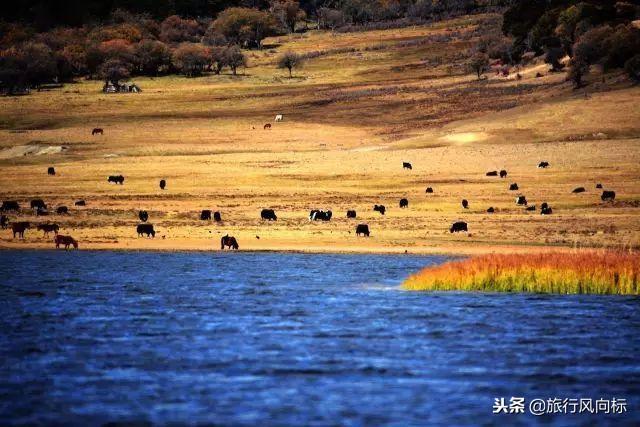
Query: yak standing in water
{"type": "Point", "coordinates": [230, 242]}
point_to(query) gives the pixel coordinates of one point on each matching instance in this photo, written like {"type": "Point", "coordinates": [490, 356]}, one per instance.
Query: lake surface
{"type": "Point", "coordinates": [294, 339]}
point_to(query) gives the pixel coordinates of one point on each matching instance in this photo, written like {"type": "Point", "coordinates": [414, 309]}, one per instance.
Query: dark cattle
{"type": "Point", "coordinates": [458, 226]}
{"type": "Point", "coordinates": [163, 184]}
{"type": "Point", "coordinates": [492, 173]}
{"type": "Point", "coordinates": [217, 217]}
{"type": "Point", "coordinates": [351, 214]}
{"type": "Point", "coordinates": [530, 208]}
{"type": "Point", "coordinates": [538, 75]}
{"type": "Point", "coordinates": [465, 204]}
{"type": "Point", "coordinates": [608, 196]}
{"type": "Point", "coordinates": [66, 241]}
{"type": "Point", "coordinates": [18, 228]}
{"type": "Point", "coordinates": [9, 205]}
{"type": "Point", "coordinates": [579, 190]}
{"type": "Point", "coordinates": [362, 229]}
{"type": "Point", "coordinates": [406, 165]}
{"type": "Point", "coordinates": [38, 204]}
{"type": "Point", "coordinates": [268, 214]}
{"type": "Point", "coordinates": [503, 173]}
{"type": "Point", "coordinates": [543, 165]}
{"type": "Point", "coordinates": [546, 211]}
{"type": "Point", "coordinates": [521, 201]}
{"type": "Point", "coordinates": [267, 126]}
{"type": "Point", "coordinates": [545, 205]}
{"type": "Point", "coordinates": [490, 210]}
{"type": "Point", "coordinates": [80, 203]}
{"type": "Point", "coordinates": [4, 221]}
{"type": "Point", "coordinates": [97, 131]}
{"type": "Point", "coordinates": [380, 208]}
{"type": "Point", "coordinates": [318, 215]}
{"type": "Point", "coordinates": [205, 215]}
{"type": "Point", "coordinates": [598, 185]}
{"type": "Point", "coordinates": [62, 210]}
{"type": "Point", "coordinates": [48, 228]}
{"type": "Point", "coordinates": [42, 212]}
{"type": "Point", "coordinates": [404, 203]}
{"type": "Point", "coordinates": [143, 215]}
{"type": "Point", "coordinates": [116, 179]}
{"type": "Point", "coordinates": [429, 190]}
{"type": "Point", "coordinates": [146, 229]}
{"type": "Point", "coordinates": [513, 187]}
{"type": "Point", "coordinates": [230, 242]}
{"type": "Point", "coordinates": [51, 171]}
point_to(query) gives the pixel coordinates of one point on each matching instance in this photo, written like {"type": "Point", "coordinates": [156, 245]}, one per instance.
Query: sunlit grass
{"type": "Point", "coordinates": [603, 272]}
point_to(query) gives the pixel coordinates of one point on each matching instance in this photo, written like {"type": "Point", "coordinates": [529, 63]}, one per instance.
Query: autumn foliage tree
{"type": "Point", "coordinates": [287, 13]}
{"type": "Point", "coordinates": [290, 60]}
{"type": "Point", "coordinates": [244, 26]}
{"type": "Point", "coordinates": [191, 59]}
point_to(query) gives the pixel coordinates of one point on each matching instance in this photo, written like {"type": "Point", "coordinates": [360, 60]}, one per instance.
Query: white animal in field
{"type": "Point", "coordinates": [279, 117]}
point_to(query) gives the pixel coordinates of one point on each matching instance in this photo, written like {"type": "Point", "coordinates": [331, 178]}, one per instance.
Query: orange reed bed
{"type": "Point", "coordinates": [593, 272]}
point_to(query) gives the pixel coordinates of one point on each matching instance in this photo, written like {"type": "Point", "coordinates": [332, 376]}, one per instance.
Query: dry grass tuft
{"type": "Point", "coordinates": [602, 272]}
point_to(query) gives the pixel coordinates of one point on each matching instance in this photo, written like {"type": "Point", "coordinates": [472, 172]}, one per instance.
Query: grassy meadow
{"type": "Point", "coordinates": [363, 103]}
{"type": "Point", "coordinates": [603, 272]}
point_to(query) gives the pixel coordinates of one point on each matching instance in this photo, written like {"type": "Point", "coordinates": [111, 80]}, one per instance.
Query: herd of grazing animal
{"type": "Point", "coordinates": [18, 228]}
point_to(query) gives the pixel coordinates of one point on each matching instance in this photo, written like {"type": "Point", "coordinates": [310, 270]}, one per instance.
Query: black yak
{"type": "Point", "coordinates": [458, 226]}
{"type": "Point", "coordinates": [362, 229]}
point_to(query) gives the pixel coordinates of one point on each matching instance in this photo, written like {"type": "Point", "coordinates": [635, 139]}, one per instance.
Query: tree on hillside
{"type": "Point", "coordinates": [578, 68]}
{"type": "Point", "coordinates": [38, 64]}
{"type": "Point", "coordinates": [218, 58]}
{"type": "Point", "coordinates": [244, 26]}
{"type": "Point", "coordinates": [632, 68]}
{"type": "Point", "coordinates": [479, 63]}
{"type": "Point", "coordinates": [234, 58]}
{"type": "Point", "coordinates": [287, 13]}
{"type": "Point", "coordinates": [191, 59]}
{"type": "Point", "coordinates": [114, 70]}
{"type": "Point", "coordinates": [177, 30]}
{"type": "Point", "coordinates": [151, 56]}
{"type": "Point", "coordinates": [553, 57]}
{"type": "Point", "coordinates": [330, 18]}
{"type": "Point", "coordinates": [290, 60]}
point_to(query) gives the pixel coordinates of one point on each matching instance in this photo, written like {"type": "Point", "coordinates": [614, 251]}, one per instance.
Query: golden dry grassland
{"type": "Point", "coordinates": [364, 103]}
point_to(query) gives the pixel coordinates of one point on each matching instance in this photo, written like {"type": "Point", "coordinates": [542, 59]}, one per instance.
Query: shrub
{"type": "Point", "coordinates": [479, 63]}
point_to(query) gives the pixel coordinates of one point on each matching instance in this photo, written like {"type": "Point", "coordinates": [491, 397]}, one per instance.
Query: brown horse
{"type": "Point", "coordinates": [66, 241]}
{"type": "Point", "coordinates": [230, 242]}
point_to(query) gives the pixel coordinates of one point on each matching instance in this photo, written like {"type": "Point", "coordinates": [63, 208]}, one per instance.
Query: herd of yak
{"type": "Point", "coordinates": [145, 229]}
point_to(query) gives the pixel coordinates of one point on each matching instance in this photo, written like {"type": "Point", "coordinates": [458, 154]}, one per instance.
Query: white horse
{"type": "Point", "coordinates": [279, 117]}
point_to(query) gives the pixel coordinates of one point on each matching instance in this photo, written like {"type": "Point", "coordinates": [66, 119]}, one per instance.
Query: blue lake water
{"type": "Point", "coordinates": [88, 338]}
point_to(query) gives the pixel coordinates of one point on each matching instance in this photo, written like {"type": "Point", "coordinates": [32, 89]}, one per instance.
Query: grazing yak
{"type": "Point", "coordinates": [163, 184]}
{"type": "Point", "coordinates": [491, 210]}
{"type": "Point", "coordinates": [380, 208]}
{"type": "Point", "coordinates": [318, 215]}
{"type": "Point", "coordinates": [406, 165]}
{"type": "Point", "coordinates": [608, 196]}
{"type": "Point", "coordinates": [66, 241]}
{"type": "Point", "coordinates": [48, 228]}
{"type": "Point", "coordinates": [362, 229]}
{"type": "Point", "coordinates": [230, 242]}
{"type": "Point", "coordinates": [530, 208]}
{"type": "Point", "coordinates": [96, 131]}
{"type": "Point", "coordinates": [279, 117]}
{"type": "Point", "coordinates": [404, 203]}
{"type": "Point", "coordinates": [19, 228]}
{"type": "Point", "coordinates": [429, 190]}
{"type": "Point", "coordinates": [503, 173]}
{"type": "Point", "coordinates": [513, 187]}
{"type": "Point", "coordinates": [217, 217]}
{"type": "Point", "coordinates": [458, 226]}
{"type": "Point", "coordinates": [599, 186]}
{"type": "Point", "coordinates": [268, 214]}
{"type": "Point", "coordinates": [546, 210]}
{"type": "Point", "coordinates": [521, 201]}
{"type": "Point", "coordinates": [267, 126]}
{"type": "Point", "coordinates": [4, 221]}
{"type": "Point", "coordinates": [205, 215]}
{"type": "Point", "coordinates": [42, 212]}
{"type": "Point", "coordinates": [62, 210]}
{"type": "Point", "coordinates": [351, 214]}
{"type": "Point", "coordinates": [146, 229]}
{"type": "Point", "coordinates": [51, 170]}
{"type": "Point", "coordinates": [579, 190]}
{"type": "Point", "coordinates": [80, 203]}
{"type": "Point", "coordinates": [116, 179]}
{"type": "Point", "coordinates": [492, 173]}
{"type": "Point", "coordinates": [9, 205]}
{"type": "Point", "coordinates": [465, 204]}
{"type": "Point", "coordinates": [544, 205]}
{"type": "Point", "coordinates": [143, 216]}
{"type": "Point", "coordinates": [38, 204]}
{"type": "Point", "coordinates": [543, 165]}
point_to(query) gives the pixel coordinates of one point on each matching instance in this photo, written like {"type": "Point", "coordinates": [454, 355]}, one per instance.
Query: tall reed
{"type": "Point", "coordinates": [601, 272]}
